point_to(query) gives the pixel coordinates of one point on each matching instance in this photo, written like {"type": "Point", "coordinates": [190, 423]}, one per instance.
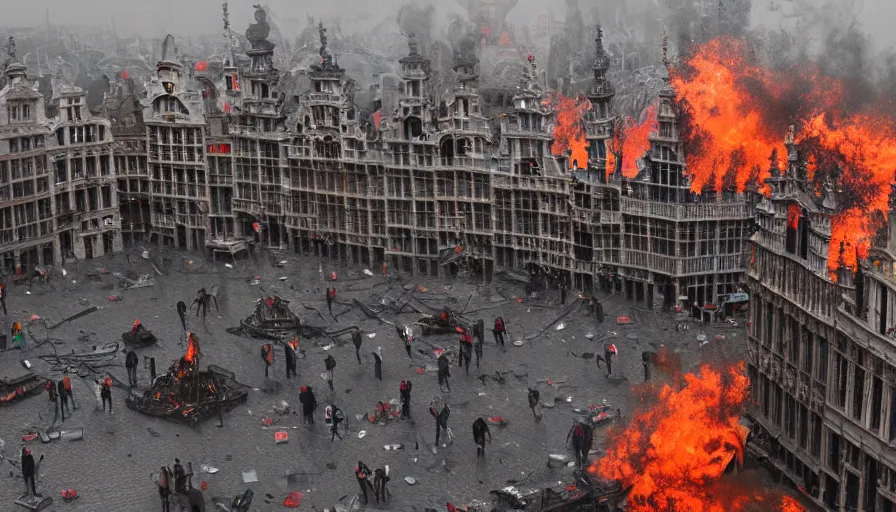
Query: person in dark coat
{"type": "Point", "coordinates": [580, 443]}
{"type": "Point", "coordinates": [499, 331]}
{"type": "Point", "coordinates": [480, 430]}
{"type": "Point", "coordinates": [182, 313]}
{"type": "Point", "coordinates": [380, 479]}
{"type": "Point", "coordinates": [478, 340]}
{"type": "Point", "coordinates": [267, 355]}
{"type": "Point", "coordinates": [289, 351]}
{"type": "Point", "coordinates": [309, 404]}
{"type": "Point", "coordinates": [330, 365]}
{"type": "Point", "coordinates": [534, 395]}
{"type": "Point", "coordinates": [331, 296]}
{"type": "Point", "coordinates": [444, 372]}
{"type": "Point", "coordinates": [53, 399]}
{"type": "Point", "coordinates": [378, 363]}
{"type": "Point", "coordinates": [63, 398]}
{"type": "Point", "coordinates": [466, 350]}
{"type": "Point", "coordinates": [362, 473]}
{"type": "Point", "coordinates": [165, 488]}
{"type": "Point", "coordinates": [180, 477]}
{"type": "Point", "coordinates": [404, 391]}
{"type": "Point", "coordinates": [356, 340]}
{"type": "Point", "coordinates": [131, 363]}
{"type": "Point", "coordinates": [29, 470]}
{"type": "Point", "coordinates": [3, 296]}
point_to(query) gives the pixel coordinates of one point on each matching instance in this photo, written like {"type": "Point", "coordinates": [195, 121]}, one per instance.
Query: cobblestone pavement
{"type": "Point", "coordinates": [112, 467]}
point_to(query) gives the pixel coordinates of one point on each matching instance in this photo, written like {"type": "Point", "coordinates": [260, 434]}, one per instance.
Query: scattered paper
{"type": "Point", "coordinates": [368, 272]}
{"type": "Point", "coordinates": [228, 265]}
{"type": "Point", "coordinates": [410, 480]}
{"type": "Point", "coordinates": [561, 327]}
{"type": "Point", "coordinates": [283, 278]}
{"type": "Point", "coordinates": [250, 476]}
{"type": "Point", "coordinates": [64, 272]}
{"type": "Point", "coordinates": [208, 469]}
{"type": "Point", "coordinates": [372, 335]}
{"type": "Point", "coordinates": [361, 434]}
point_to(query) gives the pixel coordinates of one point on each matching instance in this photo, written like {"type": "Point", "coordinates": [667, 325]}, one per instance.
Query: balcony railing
{"type": "Point", "coordinates": [709, 211]}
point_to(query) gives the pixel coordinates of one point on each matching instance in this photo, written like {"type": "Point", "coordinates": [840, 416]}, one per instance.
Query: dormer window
{"type": "Point", "coordinates": [168, 86]}
{"type": "Point", "coordinates": [26, 112]}
{"type": "Point", "coordinates": [228, 81]}
{"type": "Point", "coordinates": [13, 111]}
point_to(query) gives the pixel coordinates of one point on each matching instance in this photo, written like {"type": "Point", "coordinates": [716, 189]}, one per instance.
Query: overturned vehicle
{"type": "Point", "coordinates": [138, 336]}
{"type": "Point", "coordinates": [272, 319]}
{"type": "Point", "coordinates": [187, 394]}
{"type": "Point", "coordinates": [581, 495]}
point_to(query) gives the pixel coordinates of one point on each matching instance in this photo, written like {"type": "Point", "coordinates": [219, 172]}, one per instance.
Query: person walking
{"type": "Point", "coordinates": [404, 391]}
{"type": "Point", "coordinates": [362, 472]}
{"type": "Point", "coordinates": [646, 359]}
{"type": "Point", "coordinates": [331, 296]}
{"type": "Point", "coordinates": [67, 385]}
{"type": "Point", "coordinates": [53, 400]}
{"type": "Point", "coordinates": [499, 331]}
{"type": "Point", "coordinates": [267, 355]}
{"type": "Point", "coordinates": [131, 363]}
{"type": "Point", "coordinates": [330, 365]}
{"type": "Point", "coordinates": [182, 313]}
{"type": "Point", "coordinates": [442, 423]}
{"type": "Point", "coordinates": [63, 399]}
{"type": "Point", "coordinates": [29, 471]}
{"type": "Point", "coordinates": [610, 351]}
{"type": "Point", "coordinates": [378, 363]}
{"type": "Point", "coordinates": [107, 393]}
{"type": "Point", "coordinates": [466, 350]}
{"type": "Point", "coordinates": [534, 395]}
{"type": "Point", "coordinates": [98, 392]}
{"type": "Point", "coordinates": [478, 335]}
{"type": "Point", "coordinates": [336, 416]}
{"type": "Point", "coordinates": [564, 290]}
{"type": "Point", "coordinates": [165, 487]}
{"type": "Point", "coordinates": [289, 350]}
{"type": "Point", "coordinates": [309, 403]}
{"type": "Point", "coordinates": [356, 341]}
{"type": "Point", "coordinates": [444, 372]}
{"type": "Point", "coordinates": [480, 430]}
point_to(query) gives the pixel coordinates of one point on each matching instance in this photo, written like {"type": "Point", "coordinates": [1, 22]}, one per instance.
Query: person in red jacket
{"type": "Point", "coordinates": [331, 296]}
{"type": "Point", "coordinates": [106, 393]}
{"type": "Point", "coordinates": [499, 331]}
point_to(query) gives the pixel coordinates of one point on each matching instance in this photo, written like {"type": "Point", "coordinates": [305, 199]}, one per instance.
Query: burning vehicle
{"type": "Point", "coordinates": [272, 319]}
{"type": "Point", "coordinates": [187, 394]}
{"type": "Point", "coordinates": [446, 322]}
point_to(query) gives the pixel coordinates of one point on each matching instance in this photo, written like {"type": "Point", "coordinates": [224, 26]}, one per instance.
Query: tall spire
{"type": "Point", "coordinates": [667, 91]}
{"type": "Point", "coordinates": [226, 17]}
{"type": "Point", "coordinates": [601, 58]}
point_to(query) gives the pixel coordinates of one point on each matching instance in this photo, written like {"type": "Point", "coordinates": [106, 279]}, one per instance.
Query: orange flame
{"type": "Point", "coordinates": [630, 142]}
{"type": "Point", "coordinates": [734, 112]}
{"type": "Point", "coordinates": [793, 216]}
{"type": "Point", "coordinates": [673, 451]}
{"type": "Point", "coordinates": [192, 354]}
{"type": "Point", "coordinates": [569, 134]}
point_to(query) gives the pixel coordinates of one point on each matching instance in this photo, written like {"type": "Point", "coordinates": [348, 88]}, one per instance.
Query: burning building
{"type": "Point", "coordinates": [186, 393]}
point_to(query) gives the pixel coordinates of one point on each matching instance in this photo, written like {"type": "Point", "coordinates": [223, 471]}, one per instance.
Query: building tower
{"type": "Point", "coordinates": [259, 140]}
{"type": "Point", "coordinates": [463, 184]}
{"type": "Point", "coordinates": [412, 241]}
{"type": "Point", "coordinates": [175, 124]}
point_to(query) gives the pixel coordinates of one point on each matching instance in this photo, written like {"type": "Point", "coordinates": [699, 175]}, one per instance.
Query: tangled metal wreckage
{"type": "Point", "coordinates": [187, 394]}
{"type": "Point", "coordinates": [581, 495]}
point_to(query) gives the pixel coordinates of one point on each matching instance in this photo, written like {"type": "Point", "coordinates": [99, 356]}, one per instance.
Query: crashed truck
{"type": "Point", "coordinates": [581, 495]}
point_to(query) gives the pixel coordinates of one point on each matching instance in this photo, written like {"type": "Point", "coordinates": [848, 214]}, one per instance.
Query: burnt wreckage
{"type": "Point", "coordinates": [187, 394]}
{"type": "Point", "coordinates": [272, 319]}
{"type": "Point", "coordinates": [581, 495]}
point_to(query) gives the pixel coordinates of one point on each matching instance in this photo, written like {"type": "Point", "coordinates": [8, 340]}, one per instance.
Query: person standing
{"type": "Point", "coordinates": [267, 355]}
{"type": "Point", "coordinates": [646, 358]}
{"type": "Point", "coordinates": [98, 391]}
{"type": "Point", "coordinates": [331, 296]}
{"type": "Point", "coordinates": [356, 341]}
{"type": "Point", "coordinates": [309, 403]}
{"type": "Point", "coordinates": [466, 350]}
{"type": "Point", "coordinates": [478, 332]}
{"type": "Point", "coordinates": [180, 477]}
{"type": "Point", "coordinates": [29, 470]}
{"type": "Point", "coordinates": [67, 385]}
{"type": "Point", "coordinates": [480, 430]}
{"type": "Point", "coordinates": [182, 313]}
{"type": "Point", "coordinates": [3, 297]}
{"type": "Point", "coordinates": [107, 393]}
{"type": "Point", "coordinates": [444, 372]}
{"type": "Point", "coordinates": [404, 390]}
{"type": "Point", "coordinates": [131, 363]}
{"type": "Point", "coordinates": [380, 479]}
{"type": "Point", "coordinates": [610, 351]}
{"type": "Point", "coordinates": [361, 473]}
{"type": "Point", "coordinates": [564, 290]}
{"type": "Point", "coordinates": [63, 399]}
{"type": "Point", "coordinates": [53, 400]}
{"type": "Point", "coordinates": [378, 363]}
{"type": "Point", "coordinates": [165, 488]}
{"type": "Point", "coordinates": [330, 365]}
{"type": "Point", "coordinates": [499, 331]}
{"type": "Point", "coordinates": [289, 350]}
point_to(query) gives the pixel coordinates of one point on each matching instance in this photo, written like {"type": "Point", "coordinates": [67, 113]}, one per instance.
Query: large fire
{"type": "Point", "coordinates": [735, 113]}
{"type": "Point", "coordinates": [679, 443]}
{"type": "Point", "coordinates": [192, 354]}
{"type": "Point", "coordinates": [569, 134]}
{"type": "Point", "coordinates": [630, 142]}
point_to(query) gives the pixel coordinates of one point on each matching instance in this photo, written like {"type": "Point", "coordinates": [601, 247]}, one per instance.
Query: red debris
{"type": "Point", "coordinates": [293, 500]}
{"type": "Point", "coordinates": [29, 437]}
{"type": "Point", "coordinates": [623, 320]}
{"type": "Point", "coordinates": [69, 494]}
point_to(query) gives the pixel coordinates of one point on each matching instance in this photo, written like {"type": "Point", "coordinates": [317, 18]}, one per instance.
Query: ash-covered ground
{"type": "Point", "coordinates": [114, 466]}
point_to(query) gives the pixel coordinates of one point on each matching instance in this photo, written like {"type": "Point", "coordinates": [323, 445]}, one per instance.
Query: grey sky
{"type": "Point", "coordinates": [183, 17]}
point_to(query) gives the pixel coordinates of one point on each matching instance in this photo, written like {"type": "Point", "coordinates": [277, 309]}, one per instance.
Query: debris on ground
{"type": "Point", "coordinates": [250, 476]}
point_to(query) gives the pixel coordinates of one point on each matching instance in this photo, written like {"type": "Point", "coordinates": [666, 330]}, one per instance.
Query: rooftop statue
{"type": "Point", "coordinates": [258, 32]}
